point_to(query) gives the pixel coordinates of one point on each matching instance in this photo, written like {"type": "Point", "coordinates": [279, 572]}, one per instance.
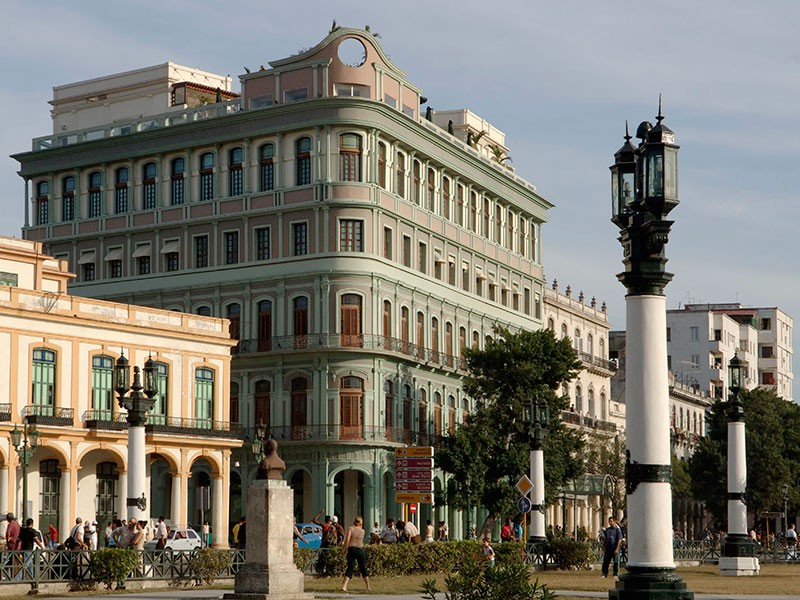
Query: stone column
{"type": "Point", "coordinates": [65, 522]}
{"type": "Point", "coordinates": [176, 512]}
{"type": "Point", "coordinates": [4, 488]}
{"type": "Point", "coordinates": [537, 534]}
{"type": "Point", "coordinates": [218, 527]}
{"type": "Point", "coordinates": [122, 494]}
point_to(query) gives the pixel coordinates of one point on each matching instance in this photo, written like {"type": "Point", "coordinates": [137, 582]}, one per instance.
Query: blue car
{"type": "Point", "coordinates": [312, 534]}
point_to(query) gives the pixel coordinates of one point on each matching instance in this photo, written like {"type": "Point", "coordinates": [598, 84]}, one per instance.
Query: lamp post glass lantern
{"type": "Point", "coordinates": [25, 442]}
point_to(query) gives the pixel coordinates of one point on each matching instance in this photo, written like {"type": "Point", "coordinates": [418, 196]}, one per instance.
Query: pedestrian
{"type": "Point", "coordinates": [507, 531]}
{"type": "Point", "coordinates": [12, 532]}
{"type": "Point", "coordinates": [488, 551]}
{"type": "Point", "coordinates": [389, 535]}
{"type": "Point", "coordinates": [791, 541]}
{"type": "Point", "coordinates": [375, 534]}
{"type": "Point", "coordinates": [428, 531]}
{"type": "Point", "coordinates": [242, 545]}
{"type": "Point", "coordinates": [611, 544]}
{"type": "Point", "coordinates": [411, 533]}
{"type": "Point", "coordinates": [338, 529]}
{"type": "Point", "coordinates": [52, 534]}
{"type": "Point", "coordinates": [354, 547]}
{"type": "Point", "coordinates": [28, 540]}
{"type": "Point", "coordinates": [235, 532]}
{"type": "Point", "coordinates": [90, 535]}
{"type": "Point", "coordinates": [161, 533]}
{"type": "Point", "coordinates": [444, 533]}
{"type": "Point", "coordinates": [206, 531]}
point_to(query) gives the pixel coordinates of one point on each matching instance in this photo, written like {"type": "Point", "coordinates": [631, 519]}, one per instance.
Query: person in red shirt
{"type": "Point", "coordinates": [12, 532]}
{"type": "Point", "coordinates": [52, 533]}
{"type": "Point", "coordinates": [507, 531]}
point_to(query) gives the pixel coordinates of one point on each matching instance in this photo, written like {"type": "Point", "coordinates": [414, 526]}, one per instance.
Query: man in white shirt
{"type": "Point", "coordinates": [161, 534]}
{"type": "Point", "coordinates": [412, 533]}
{"type": "Point", "coordinates": [791, 541]}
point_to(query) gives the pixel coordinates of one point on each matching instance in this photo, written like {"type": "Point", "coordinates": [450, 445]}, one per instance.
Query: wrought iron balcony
{"type": "Point", "coordinates": [335, 341]}
{"type": "Point", "coordinates": [5, 412]}
{"type": "Point", "coordinates": [592, 361]}
{"type": "Point", "coordinates": [352, 433]}
{"type": "Point", "coordinates": [104, 419]}
{"type": "Point", "coordinates": [187, 426]}
{"type": "Point", "coordinates": [574, 418]}
{"type": "Point", "coordinates": [42, 414]}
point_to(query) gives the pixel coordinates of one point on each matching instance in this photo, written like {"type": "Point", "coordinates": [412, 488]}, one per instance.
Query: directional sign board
{"type": "Point", "coordinates": [413, 463]}
{"type": "Point", "coordinates": [413, 486]}
{"type": "Point", "coordinates": [408, 474]}
{"type": "Point", "coordinates": [524, 485]}
{"type": "Point", "coordinates": [411, 498]}
{"type": "Point", "coordinates": [414, 451]}
{"type": "Point", "coordinates": [524, 505]}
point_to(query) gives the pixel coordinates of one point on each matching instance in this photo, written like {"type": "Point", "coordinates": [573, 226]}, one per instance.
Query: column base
{"type": "Point", "coordinates": [647, 583]}
{"type": "Point", "coordinates": [539, 543]}
{"type": "Point", "coordinates": [739, 566]}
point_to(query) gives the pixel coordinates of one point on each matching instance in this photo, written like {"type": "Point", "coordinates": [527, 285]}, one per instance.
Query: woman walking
{"type": "Point", "coordinates": [354, 546]}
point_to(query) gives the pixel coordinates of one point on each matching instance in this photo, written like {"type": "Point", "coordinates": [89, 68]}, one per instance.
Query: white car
{"type": "Point", "coordinates": [178, 539]}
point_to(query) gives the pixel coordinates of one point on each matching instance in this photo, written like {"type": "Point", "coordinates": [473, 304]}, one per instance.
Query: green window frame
{"type": "Point", "coordinates": [43, 381]}
{"type": "Point", "coordinates": [204, 397]}
{"type": "Point", "coordinates": [102, 387]}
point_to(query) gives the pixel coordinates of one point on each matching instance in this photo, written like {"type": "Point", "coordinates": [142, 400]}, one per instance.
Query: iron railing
{"type": "Point", "coordinates": [354, 433]}
{"type": "Point", "coordinates": [42, 414]}
{"type": "Point", "coordinates": [327, 341]}
{"type": "Point", "coordinates": [104, 419]}
{"type": "Point", "coordinates": [194, 426]}
{"type": "Point", "coordinates": [5, 411]}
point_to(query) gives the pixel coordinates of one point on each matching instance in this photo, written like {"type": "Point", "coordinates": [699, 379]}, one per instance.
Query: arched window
{"type": "Point", "coordinates": [387, 324]}
{"type": "Point", "coordinates": [68, 198]}
{"type": "Point", "coordinates": [42, 203]}
{"type": "Point", "coordinates": [234, 403]}
{"type": "Point", "coordinates": [351, 406]}
{"type": "Point", "coordinates": [302, 151]}
{"type": "Point", "coordinates": [446, 199]}
{"type": "Point", "coordinates": [551, 325]}
{"type": "Point", "coordinates": [204, 397]}
{"type": "Point", "coordinates": [603, 407]}
{"type": "Point", "coordinates": [49, 491]}
{"type": "Point", "coordinates": [95, 194]}
{"type": "Point", "coordinates": [43, 382]}
{"type": "Point", "coordinates": [420, 335]}
{"type": "Point", "coordinates": [265, 325]}
{"type": "Point", "coordinates": [149, 186]}
{"type": "Point", "coordinates": [235, 172]}
{"type": "Point", "coordinates": [578, 341]}
{"type": "Point", "coordinates": [592, 407]}
{"type": "Point", "coordinates": [299, 408]}
{"type": "Point", "coordinates": [177, 193]}
{"type": "Point", "coordinates": [431, 196]}
{"type": "Point", "coordinates": [300, 312]}
{"type": "Point", "coordinates": [564, 331]}
{"type": "Point", "coordinates": [203, 311]}
{"type": "Point", "coordinates": [234, 314]}
{"type": "Point", "coordinates": [400, 168]}
{"type": "Point", "coordinates": [448, 344]}
{"type": "Point", "coordinates": [423, 415]}
{"type": "Point", "coordinates": [160, 411]}
{"type": "Point", "coordinates": [578, 400]}
{"type": "Point", "coordinates": [206, 176]}
{"type": "Point", "coordinates": [349, 157]}
{"type": "Point", "coordinates": [476, 340]}
{"type": "Point", "coordinates": [382, 165]}
{"type": "Point", "coordinates": [407, 412]}
{"type": "Point", "coordinates": [351, 320]}
{"type": "Point", "coordinates": [388, 408]}
{"type": "Point", "coordinates": [435, 340]}
{"type": "Point", "coordinates": [416, 189]}
{"type": "Point", "coordinates": [437, 414]}
{"type": "Point", "coordinates": [404, 328]}
{"type": "Point", "coordinates": [267, 166]}
{"type": "Point", "coordinates": [451, 415]}
{"type": "Point", "coordinates": [602, 348]}
{"type": "Point", "coordinates": [121, 191]}
{"type": "Point", "coordinates": [460, 208]}
{"type": "Point", "coordinates": [590, 345]}
{"type": "Point", "coordinates": [102, 388]}
{"type": "Point", "coordinates": [261, 399]}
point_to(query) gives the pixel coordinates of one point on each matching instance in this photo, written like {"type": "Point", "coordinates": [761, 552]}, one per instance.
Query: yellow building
{"type": "Point", "coordinates": [56, 377]}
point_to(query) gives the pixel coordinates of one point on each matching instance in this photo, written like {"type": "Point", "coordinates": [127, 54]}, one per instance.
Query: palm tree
{"type": "Point", "coordinates": [472, 140]}
{"type": "Point", "coordinates": [499, 155]}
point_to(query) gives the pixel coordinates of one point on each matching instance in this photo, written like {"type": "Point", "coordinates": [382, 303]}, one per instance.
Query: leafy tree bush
{"type": "Point", "coordinates": [477, 581]}
{"type": "Point", "coordinates": [207, 564]}
{"type": "Point", "coordinates": [569, 554]}
{"type": "Point", "coordinates": [110, 566]}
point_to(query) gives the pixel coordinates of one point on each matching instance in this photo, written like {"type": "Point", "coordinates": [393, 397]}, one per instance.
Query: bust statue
{"type": "Point", "coordinates": [272, 467]}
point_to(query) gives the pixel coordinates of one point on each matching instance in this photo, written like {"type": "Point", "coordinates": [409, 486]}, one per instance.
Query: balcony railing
{"type": "Point", "coordinates": [42, 414]}
{"type": "Point", "coordinates": [325, 341]}
{"type": "Point", "coordinates": [596, 361]}
{"type": "Point", "coordinates": [5, 412]}
{"type": "Point", "coordinates": [202, 427]}
{"type": "Point", "coordinates": [568, 416]}
{"type": "Point", "coordinates": [104, 419]}
{"type": "Point", "coordinates": [353, 433]}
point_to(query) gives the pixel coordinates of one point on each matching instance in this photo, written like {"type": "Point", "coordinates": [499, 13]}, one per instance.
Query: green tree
{"type": "Point", "coordinates": [490, 452]}
{"type": "Point", "coordinates": [773, 454]}
{"type": "Point", "coordinates": [605, 455]}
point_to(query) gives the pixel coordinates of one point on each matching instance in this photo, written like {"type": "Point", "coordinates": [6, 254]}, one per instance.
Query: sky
{"type": "Point", "coordinates": [559, 78]}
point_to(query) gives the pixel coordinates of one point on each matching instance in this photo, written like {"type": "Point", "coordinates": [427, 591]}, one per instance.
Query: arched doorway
{"type": "Point", "coordinates": [200, 494]}
{"type": "Point", "coordinates": [160, 489]}
{"type": "Point", "coordinates": [348, 495]}
{"type": "Point", "coordinates": [107, 482]}
{"type": "Point", "coordinates": [49, 493]}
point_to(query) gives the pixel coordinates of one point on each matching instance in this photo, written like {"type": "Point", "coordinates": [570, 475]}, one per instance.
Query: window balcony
{"type": "Point", "coordinates": [104, 419]}
{"type": "Point", "coordinates": [596, 364]}
{"type": "Point", "coordinates": [42, 414]}
{"type": "Point", "coordinates": [352, 433]}
{"type": "Point", "coordinates": [195, 427]}
{"type": "Point", "coordinates": [336, 341]}
{"type": "Point", "coordinates": [5, 412]}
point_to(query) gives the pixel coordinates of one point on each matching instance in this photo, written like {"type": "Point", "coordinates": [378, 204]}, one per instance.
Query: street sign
{"type": "Point", "coordinates": [411, 498]}
{"type": "Point", "coordinates": [524, 485]}
{"type": "Point", "coordinates": [417, 475]}
{"type": "Point", "coordinates": [524, 504]}
{"type": "Point", "coordinates": [414, 486]}
{"type": "Point", "coordinates": [412, 509]}
{"type": "Point", "coordinates": [414, 451]}
{"type": "Point", "coordinates": [413, 463]}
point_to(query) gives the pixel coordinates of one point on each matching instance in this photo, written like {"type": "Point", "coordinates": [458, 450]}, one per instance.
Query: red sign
{"type": "Point", "coordinates": [415, 475]}
{"type": "Point", "coordinates": [414, 486]}
{"type": "Point", "coordinates": [412, 509]}
{"type": "Point", "coordinates": [413, 463]}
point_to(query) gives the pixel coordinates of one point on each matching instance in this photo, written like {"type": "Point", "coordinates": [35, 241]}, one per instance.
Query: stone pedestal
{"type": "Point", "coordinates": [739, 565]}
{"type": "Point", "coordinates": [269, 572]}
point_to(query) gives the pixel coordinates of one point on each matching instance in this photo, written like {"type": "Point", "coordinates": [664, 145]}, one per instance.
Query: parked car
{"type": "Point", "coordinates": [178, 539]}
{"type": "Point", "coordinates": [312, 534]}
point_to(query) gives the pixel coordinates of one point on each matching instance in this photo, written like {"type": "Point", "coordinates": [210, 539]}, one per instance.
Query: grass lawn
{"type": "Point", "coordinates": [774, 579]}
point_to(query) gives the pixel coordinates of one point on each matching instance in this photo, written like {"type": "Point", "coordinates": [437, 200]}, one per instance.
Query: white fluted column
{"type": "Point", "coordinates": [175, 506]}
{"type": "Point", "coordinates": [537, 532]}
{"type": "Point", "coordinates": [137, 474]}
{"type": "Point", "coordinates": [65, 491]}
{"type": "Point", "coordinates": [218, 528]}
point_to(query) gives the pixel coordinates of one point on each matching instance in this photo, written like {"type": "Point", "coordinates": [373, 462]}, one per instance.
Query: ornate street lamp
{"type": "Point", "coordinates": [538, 420]}
{"type": "Point", "coordinates": [25, 442]}
{"type": "Point", "coordinates": [738, 552]}
{"type": "Point", "coordinates": [644, 187]}
{"type": "Point", "coordinates": [137, 399]}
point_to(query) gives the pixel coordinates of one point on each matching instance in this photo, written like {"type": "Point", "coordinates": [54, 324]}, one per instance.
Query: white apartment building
{"type": "Point", "coordinates": [703, 338]}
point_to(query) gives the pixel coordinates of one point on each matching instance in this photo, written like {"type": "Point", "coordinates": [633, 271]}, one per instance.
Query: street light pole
{"type": "Point", "coordinates": [644, 184]}
{"type": "Point", "coordinates": [738, 552]}
{"type": "Point", "coordinates": [137, 399]}
{"type": "Point", "coordinates": [539, 419]}
{"type": "Point", "coordinates": [25, 443]}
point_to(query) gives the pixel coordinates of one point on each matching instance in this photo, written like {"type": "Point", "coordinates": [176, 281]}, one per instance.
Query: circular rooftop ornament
{"type": "Point", "coordinates": [352, 52]}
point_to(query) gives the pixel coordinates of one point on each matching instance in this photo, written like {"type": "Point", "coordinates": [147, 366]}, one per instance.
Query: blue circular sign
{"type": "Point", "coordinates": [524, 505]}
